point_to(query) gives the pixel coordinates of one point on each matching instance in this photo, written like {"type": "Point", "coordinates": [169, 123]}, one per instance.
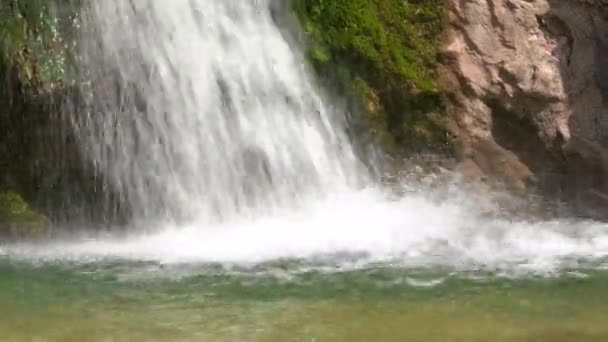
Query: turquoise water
{"type": "Point", "coordinates": [294, 301]}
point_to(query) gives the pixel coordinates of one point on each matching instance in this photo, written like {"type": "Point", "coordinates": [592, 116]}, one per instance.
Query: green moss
{"type": "Point", "coordinates": [17, 217]}
{"type": "Point", "coordinates": [385, 52]}
{"type": "Point", "coordinates": [30, 42]}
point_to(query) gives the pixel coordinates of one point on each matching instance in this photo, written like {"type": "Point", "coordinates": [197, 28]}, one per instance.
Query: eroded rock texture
{"type": "Point", "coordinates": [528, 85]}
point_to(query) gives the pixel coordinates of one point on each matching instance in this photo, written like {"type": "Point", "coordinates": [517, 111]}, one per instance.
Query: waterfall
{"type": "Point", "coordinates": [202, 109]}
{"type": "Point", "coordinates": [203, 119]}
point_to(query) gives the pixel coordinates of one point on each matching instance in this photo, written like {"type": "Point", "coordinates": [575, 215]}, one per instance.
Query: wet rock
{"type": "Point", "coordinates": [18, 220]}
{"type": "Point", "coordinates": [526, 84]}
{"type": "Point", "coordinates": [442, 179]}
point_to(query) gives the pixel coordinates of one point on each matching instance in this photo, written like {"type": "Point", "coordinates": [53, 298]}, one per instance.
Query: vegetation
{"type": "Point", "coordinates": [384, 52]}
{"type": "Point", "coordinates": [17, 218]}
{"type": "Point", "coordinates": [30, 45]}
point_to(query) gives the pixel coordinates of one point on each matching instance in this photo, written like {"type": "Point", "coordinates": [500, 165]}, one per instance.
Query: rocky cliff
{"type": "Point", "coordinates": [528, 84]}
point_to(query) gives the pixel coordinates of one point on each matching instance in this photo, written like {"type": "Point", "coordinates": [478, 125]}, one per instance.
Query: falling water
{"type": "Point", "coordinates": [203, 118]}
{"type": "Point", "coordinates": [201, 109]}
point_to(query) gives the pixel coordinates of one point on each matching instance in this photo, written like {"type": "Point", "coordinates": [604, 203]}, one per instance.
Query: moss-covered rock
{"type": "Point", "coordinates": [18, 219]}
{"type": "Point", "coordinates": [384, 53]}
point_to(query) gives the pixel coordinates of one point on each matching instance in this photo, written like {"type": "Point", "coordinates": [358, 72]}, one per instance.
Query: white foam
{"type": "Point", "coordinates": [410, 232]}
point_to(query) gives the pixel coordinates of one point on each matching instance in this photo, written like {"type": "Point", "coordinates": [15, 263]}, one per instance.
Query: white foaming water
{"type": "Point", "coordinates": [214, 114]}
{"type": "Point", "coordinates": [356, 229]}
{"type": "Point", "coordinates": [231, 133]}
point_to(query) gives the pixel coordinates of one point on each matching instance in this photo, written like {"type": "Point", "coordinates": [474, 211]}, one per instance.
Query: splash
{"type": "Point", "coordinates": [360, 229]}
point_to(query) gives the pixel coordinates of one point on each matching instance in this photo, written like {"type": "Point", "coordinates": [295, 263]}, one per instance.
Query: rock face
{"type": "Point", "coordinates": [41, 161]}
{"type": "Point", "coordinates": [528, 90]}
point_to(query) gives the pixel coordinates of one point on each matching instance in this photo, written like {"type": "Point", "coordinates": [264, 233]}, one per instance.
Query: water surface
{"type": "Point", "coordinates": [290, 301]}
